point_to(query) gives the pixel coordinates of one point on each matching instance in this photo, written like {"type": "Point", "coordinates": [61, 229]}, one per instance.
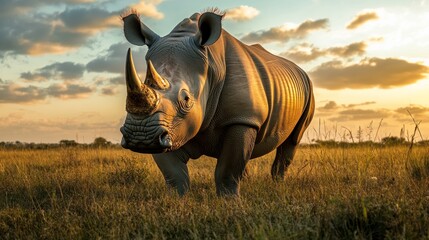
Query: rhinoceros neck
{"type": "Point", "coordinates": [216, 77]}
{"type": "Point", "coordinates": [218, 55]}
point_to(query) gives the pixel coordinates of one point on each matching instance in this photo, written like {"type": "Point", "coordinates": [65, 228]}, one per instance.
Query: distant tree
{"type": "Point", "coordinates": [19, 144]}
{"type": "Point", "coordinates": [67, 143]}
{"type": "Point", "coordinates": [393, 140]}
{"type": "Point", "coordinates": [100, 141]}
{"type": "Point", "coordinates": [423, 143]}
{"type": "Point", "coordinates": [326, 143]}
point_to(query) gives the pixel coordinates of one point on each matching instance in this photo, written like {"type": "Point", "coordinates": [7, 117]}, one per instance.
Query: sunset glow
{"type": "Point", "coordinates": [62, 63]}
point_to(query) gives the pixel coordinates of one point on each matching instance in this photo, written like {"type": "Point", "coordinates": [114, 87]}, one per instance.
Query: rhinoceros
{"type": "Point", "coordinates": [207, 93]}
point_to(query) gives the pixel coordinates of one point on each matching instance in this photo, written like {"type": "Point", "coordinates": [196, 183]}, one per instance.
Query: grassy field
{"type": "Point", "coordinates": [329, 193]}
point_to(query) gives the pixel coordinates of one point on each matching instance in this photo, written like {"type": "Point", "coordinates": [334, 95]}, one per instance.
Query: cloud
{"type": "Point", "coordinates": [332, 105]}
{"type": "Point", "coordinates": [15, 93]}
{"type": "Point", "coordinates": [108, 80]}
{"type": "Point", "coordinates": [418, 112]}
{"type": "Point", "coordinates": [241, 13]}
{"type": "Point", "coordinates": [46, 27]}
{"type": "Point", "coordinates": [148, 8]}
{"type": "Point", "coordinates": [114, 60]}
{"type": "Point", "coordinates": [413, 108]}
{"type": "Point", "coordinates": [359, 104]}
{"type": "Point", "coordinates": [89, 20]}
{"type": "Point", "coordinates": [56, 71]}
{"type": "Point", "coordinates": [336, 112]}
{"type": "Point", "coordinates": [38, 33]}
{"type": "Point", "coordinates": [283, 34]}
{"type": "Point", "coordinates": [352, 49]}
{"type": "Point", "coordinates": [307, 52]}
{"type": "Point", "coordinates": [12, 8]}
{"type": "Point", "coordinates": [109, 91]}
{"type": "Point", "coordinates": [67, 91]}
{"type": "Point", "coordinates": [361, 19]}
{"type": "Point", "coordinates": [329, 106]}
{"type": "Point", "coordinates": [117, 80]}
{"type": "Point", "coordinates": [369, 73]}
{"type": "Point", "coordinates": [361, 114]}
{"type": "Point", "coordinates": [29, 28]}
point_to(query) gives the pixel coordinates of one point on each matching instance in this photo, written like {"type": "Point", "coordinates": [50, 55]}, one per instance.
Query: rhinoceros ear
{"type": "Point", "coordinates": [209, 28]}
{"type": "Point", "coordinates": [136, 32]}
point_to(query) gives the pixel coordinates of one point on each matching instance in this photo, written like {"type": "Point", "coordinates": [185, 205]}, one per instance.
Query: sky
{"type": "Point", "coordinates": [62, 62]}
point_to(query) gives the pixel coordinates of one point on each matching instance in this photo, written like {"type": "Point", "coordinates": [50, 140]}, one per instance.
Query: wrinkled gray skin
{"type": "Point", "coordinates": [207, 93]}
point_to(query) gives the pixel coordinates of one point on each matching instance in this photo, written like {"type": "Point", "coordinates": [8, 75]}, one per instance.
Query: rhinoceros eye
{"type": "Point", "coordinates": [185, 101]}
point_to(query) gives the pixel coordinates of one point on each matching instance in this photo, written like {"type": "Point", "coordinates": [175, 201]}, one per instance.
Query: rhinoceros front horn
{"type": "Point", "coordinates": [141, 99]}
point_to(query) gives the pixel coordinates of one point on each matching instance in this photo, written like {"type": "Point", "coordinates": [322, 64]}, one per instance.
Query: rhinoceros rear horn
{"type": "Point", "coordinates": [153, 79]}
{"type": "Point", "coordinates": [141, 99]}
{"type": "Point", "coordinates": [210, 28]}
{"type": "Point", "coordinates": [137, 32]}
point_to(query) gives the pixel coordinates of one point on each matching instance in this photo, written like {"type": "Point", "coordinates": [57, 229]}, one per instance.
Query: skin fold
{"type": "Point", "coordinates": [207, 93]}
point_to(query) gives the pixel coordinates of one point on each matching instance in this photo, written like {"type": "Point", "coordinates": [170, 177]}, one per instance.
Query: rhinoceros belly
{"type": "Point", "coordinates": [268, 144]}
{"type": "Point", "coordinates": [210, 141]}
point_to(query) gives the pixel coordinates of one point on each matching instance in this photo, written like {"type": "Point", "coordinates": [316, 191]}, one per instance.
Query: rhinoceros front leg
{"type": "Point", "coordinates": [173, 167]}
{"type": "Point", "coordinates": [237, 148]}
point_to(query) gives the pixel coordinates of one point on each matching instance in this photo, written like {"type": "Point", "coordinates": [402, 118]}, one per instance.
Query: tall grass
{"type": "Point", "coordinates": [328, 193]}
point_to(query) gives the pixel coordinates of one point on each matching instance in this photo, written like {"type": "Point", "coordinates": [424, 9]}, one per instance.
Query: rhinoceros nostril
{"type": "Point", "coordinates": [165, 140]}
{"type": "Point", "coordinates": [123, 143]}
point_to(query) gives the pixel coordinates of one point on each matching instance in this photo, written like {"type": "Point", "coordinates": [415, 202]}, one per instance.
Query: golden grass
{"type": "Point", "coordinates": [328, 193]}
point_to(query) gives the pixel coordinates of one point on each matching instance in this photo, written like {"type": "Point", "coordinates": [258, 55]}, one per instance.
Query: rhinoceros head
{"type": "Point", "coordinates": [167, 109]}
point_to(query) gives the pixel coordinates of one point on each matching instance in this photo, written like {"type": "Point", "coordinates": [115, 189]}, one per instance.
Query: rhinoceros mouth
{"type": "Point", "coordinates": [146, 135]}
{"type": "Point", "coordinates": [143, 148]}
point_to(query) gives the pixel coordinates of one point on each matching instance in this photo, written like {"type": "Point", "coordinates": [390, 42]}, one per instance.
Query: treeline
{"type": "Point", "coordinates": [386, 141]}
{"type": "Point", "coordinates": [101, 142]}
{"type": "Point", "coordinates": [98, 142]}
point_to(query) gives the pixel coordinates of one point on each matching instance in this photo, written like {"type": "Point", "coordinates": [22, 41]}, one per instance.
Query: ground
{"type": "Point", "coordinates": [361, 192]}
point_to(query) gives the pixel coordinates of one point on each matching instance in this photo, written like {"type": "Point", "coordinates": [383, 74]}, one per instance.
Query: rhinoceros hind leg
{"type": "Point", "coordinates": [286, 151]}
{"type": "Point", "coordinates": [237, 148]}
{"type": "Point", "coordinates": [284, 155]}
{"type": "Point", "coordinates": [173, 167]}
